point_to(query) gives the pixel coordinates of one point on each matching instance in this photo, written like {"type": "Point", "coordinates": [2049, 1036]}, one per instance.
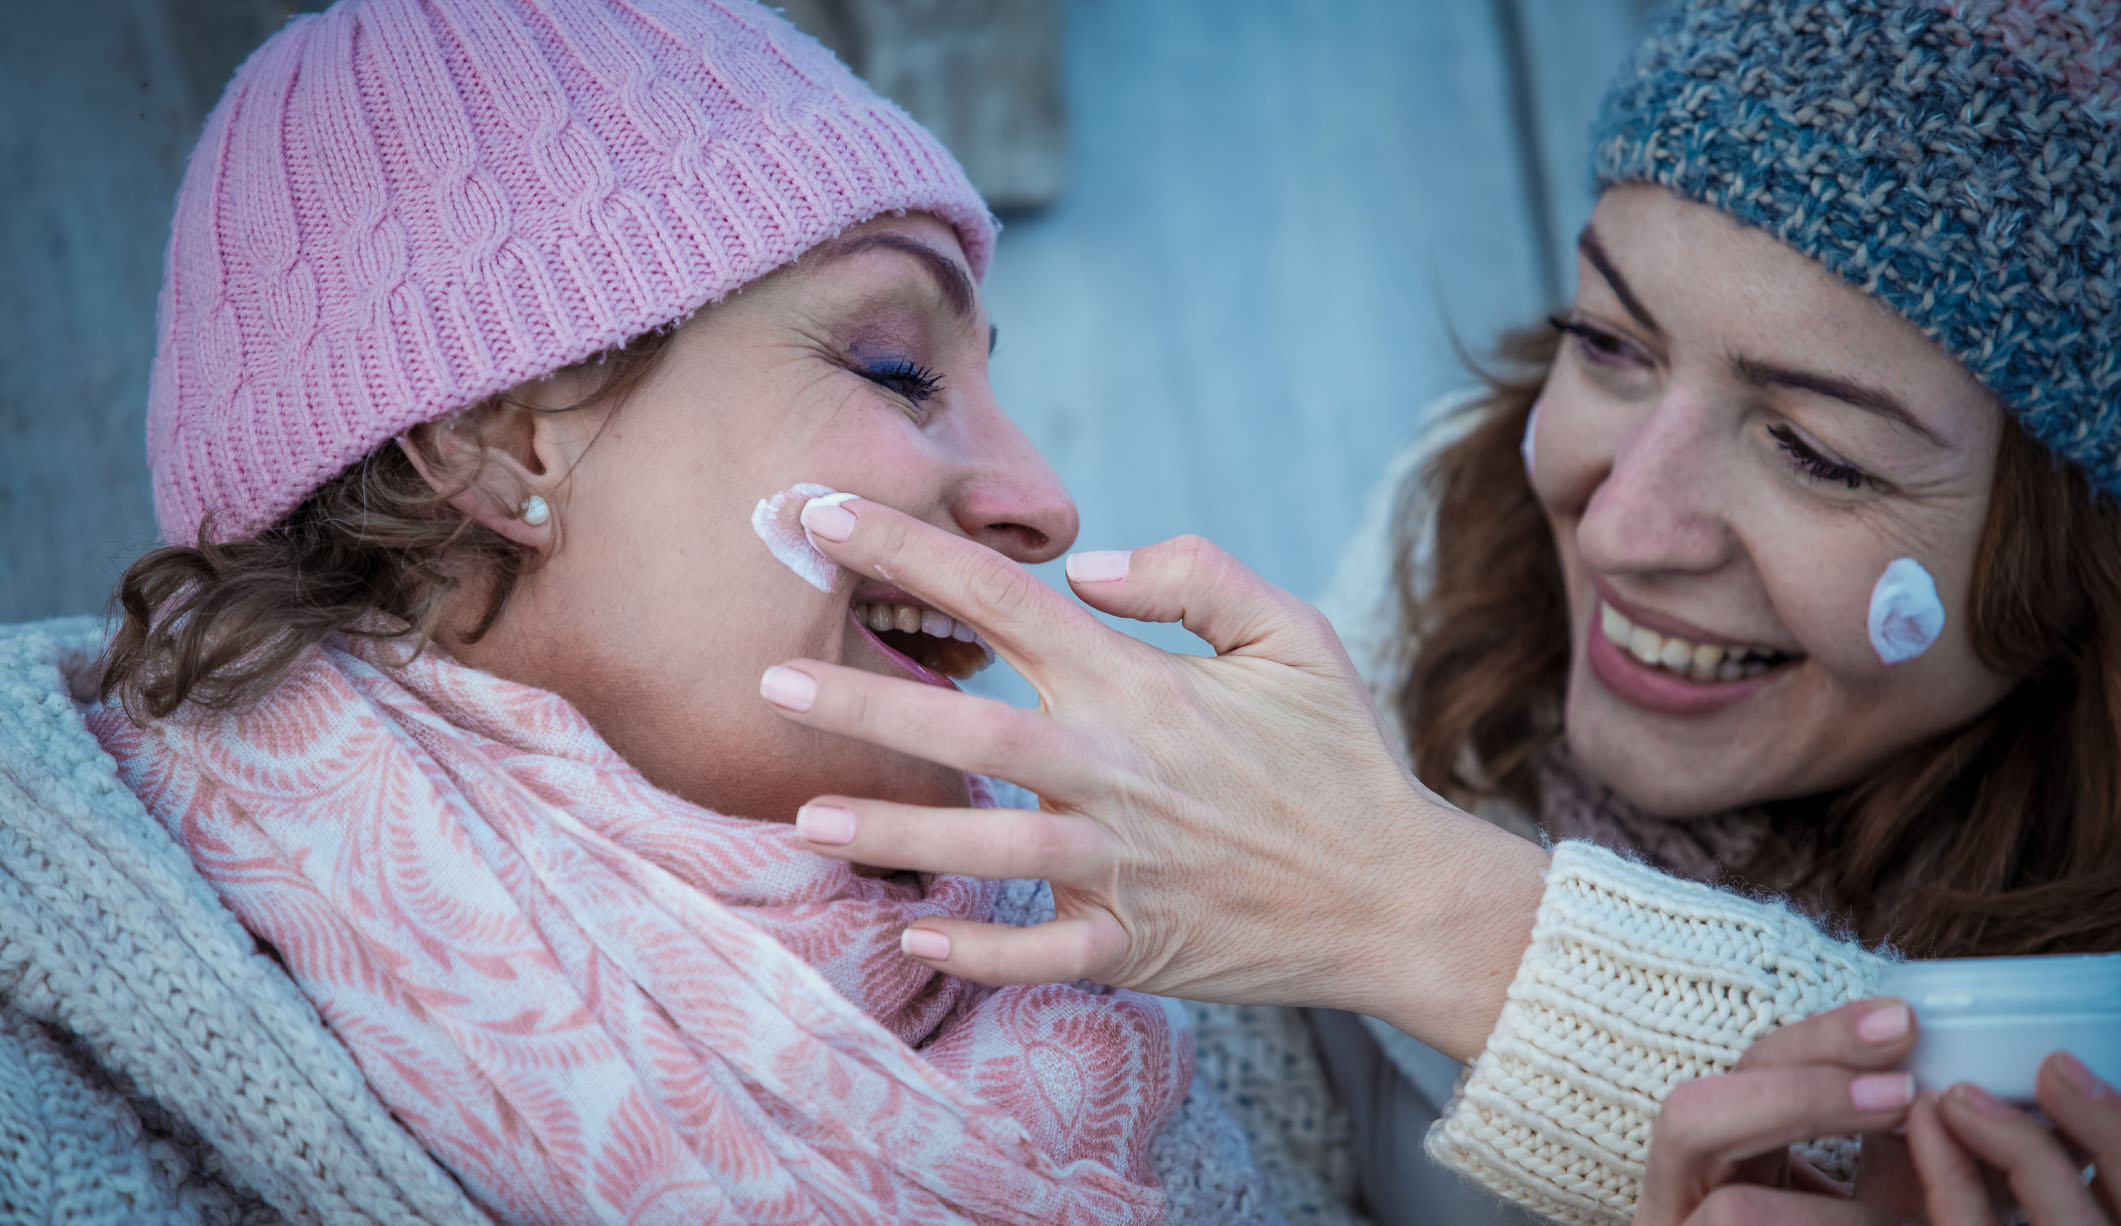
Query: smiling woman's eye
{"type": "Point", "coordinates": [915, 383]}
{"type": "Point", "coordinates": [1593, 342]}
{"type": "Point", "coordinates": [1808, 461]}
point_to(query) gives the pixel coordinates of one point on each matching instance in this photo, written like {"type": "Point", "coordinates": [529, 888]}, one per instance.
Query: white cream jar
{"type": "Point", "coordinates": [1992, 1021]}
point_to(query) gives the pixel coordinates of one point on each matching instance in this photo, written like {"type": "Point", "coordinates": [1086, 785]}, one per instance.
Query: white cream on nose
{"type": "Point", "coordinates": [1906, 616]}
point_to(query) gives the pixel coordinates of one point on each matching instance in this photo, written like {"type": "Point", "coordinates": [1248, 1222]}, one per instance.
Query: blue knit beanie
{"type": "Point", "coordinates": [1956, 159]}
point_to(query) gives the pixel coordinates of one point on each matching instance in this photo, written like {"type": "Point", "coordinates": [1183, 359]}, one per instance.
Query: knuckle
{"type": "Point", "coordinates": [1028, 845]}
{"type": "Point", "coordinates": [1080, 953]}
{"type": "Point", "coordinates": [1000, 588]}
{"type": "Point", "coordinates": [1308, 622]}
{"type": "Point", "coordinates": [1198, 554]}
{"type": "Point", "coordinates": [890, 547]}
{"type": "Point", "coordinates": [855, 706]}
{"type": "Point", "coordinates": [1005, 740]}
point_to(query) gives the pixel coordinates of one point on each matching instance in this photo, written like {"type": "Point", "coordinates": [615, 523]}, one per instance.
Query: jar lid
{"type": "Point", "coordinates": [2053, 983]}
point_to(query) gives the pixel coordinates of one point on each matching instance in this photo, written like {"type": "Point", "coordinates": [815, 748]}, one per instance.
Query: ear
{"type": "Point", "coordinates": [491, 466]}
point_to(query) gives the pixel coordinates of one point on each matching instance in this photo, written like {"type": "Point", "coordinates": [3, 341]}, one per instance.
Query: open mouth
{"type": "Point", "coordinates": [1701, 663]}
{"type": "Point", "coordinates": [932, 642]}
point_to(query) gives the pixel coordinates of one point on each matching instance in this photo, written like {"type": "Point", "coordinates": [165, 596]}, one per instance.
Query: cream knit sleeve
{"type": "Point", "coordinates": [1634, 982]}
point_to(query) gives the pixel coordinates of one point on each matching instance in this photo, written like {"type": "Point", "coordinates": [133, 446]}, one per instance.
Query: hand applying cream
{"type": "Point", "coordinates": [777, 521]}
{"type": "Point", "coordinates": [1906, 616]}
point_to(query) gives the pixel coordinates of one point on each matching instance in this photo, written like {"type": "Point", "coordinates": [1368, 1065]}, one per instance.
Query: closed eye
{"type": "Point", "coordinates": [1597, 345]}
{"type": "Point", "coordinates": [916, 383]}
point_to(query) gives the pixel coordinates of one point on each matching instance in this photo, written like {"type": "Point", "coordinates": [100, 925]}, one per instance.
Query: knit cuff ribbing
{"type": "Point", "coordinates": [1634, 981]}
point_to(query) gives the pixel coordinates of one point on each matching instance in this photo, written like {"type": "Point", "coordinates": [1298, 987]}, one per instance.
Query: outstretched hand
{"type": "Point", "coordinates": [1234, 827]}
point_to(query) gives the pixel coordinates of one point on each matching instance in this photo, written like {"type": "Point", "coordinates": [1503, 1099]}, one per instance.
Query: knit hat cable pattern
{"type": "Point", "coordinates": [1956, 159]}
{"type": "Point", "coordinates": [400, 207]}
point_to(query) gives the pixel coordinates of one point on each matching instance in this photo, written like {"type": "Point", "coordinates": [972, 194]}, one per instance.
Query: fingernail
{"type": "Point", "coordinates": [1882, 1091]}
{"type": "Point", "coordinates": [2086, 1081]}
{"type": "Point", "coordinates": [785, 687]}
{"type": "Point", "coordinates": [924, 943]}
{"type": "Point", "coordinates": [1976, 1099]}
{"type": "Point", "coordinates": [1098, 565]}
{"type": "Point", "coordinates": [825, 517]}
{"type": "Point", "coordinates": [825, 824]}
{"type": "Point", "coordinates": [1884, 1024]}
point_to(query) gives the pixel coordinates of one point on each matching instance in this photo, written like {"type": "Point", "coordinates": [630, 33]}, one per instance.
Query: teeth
{"type": "Point", "coordinates": [1700, 661]}
{"type": "Point", "coordinates": [1615, 626]}
{"type": "Point", "coordinates": [1677, 656]}
{"type": "Point", "coordinates": [913, 619]}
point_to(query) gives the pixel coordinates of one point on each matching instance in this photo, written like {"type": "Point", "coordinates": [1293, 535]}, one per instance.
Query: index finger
{"type": "Point", "coordinates": [1025, 621]}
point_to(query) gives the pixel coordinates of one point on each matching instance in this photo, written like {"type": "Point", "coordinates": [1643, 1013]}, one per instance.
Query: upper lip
{"type": "Point", "coordinates": [1665, 623]}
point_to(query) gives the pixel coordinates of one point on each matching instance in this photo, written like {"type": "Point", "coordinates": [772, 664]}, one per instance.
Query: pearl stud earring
{"type": "Point", "coordinates": [535, 511]}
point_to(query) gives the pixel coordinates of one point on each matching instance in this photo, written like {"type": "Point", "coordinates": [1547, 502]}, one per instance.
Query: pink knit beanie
{"type": "Point", "coordinates": [402, 206]}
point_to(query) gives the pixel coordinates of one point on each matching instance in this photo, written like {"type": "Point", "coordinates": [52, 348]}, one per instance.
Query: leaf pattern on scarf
{"type": "Point", "coordinates": [596, 1002]}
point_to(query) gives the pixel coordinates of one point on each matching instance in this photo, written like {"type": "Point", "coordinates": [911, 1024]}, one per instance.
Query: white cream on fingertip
{"type": "Point", "coordinates": [1906, 616]}
{"type": "Point", "coordinates": [777, 519]}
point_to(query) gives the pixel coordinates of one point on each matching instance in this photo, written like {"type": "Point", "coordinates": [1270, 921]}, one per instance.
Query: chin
{"type": "Point", "coordinates": [1648, 780]}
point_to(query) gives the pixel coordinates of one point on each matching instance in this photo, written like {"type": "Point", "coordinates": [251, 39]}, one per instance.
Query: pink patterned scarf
{"type": "Point", "coordinates": [595, 1002]}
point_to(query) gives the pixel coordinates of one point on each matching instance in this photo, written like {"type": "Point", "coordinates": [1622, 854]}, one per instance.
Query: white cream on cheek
{"type": "Point", "coordinates": [1906, 616]}
{"type": "Point", "coordinates": [778, 521]}
{"type": "Point", "coordinates": [1528, 446]}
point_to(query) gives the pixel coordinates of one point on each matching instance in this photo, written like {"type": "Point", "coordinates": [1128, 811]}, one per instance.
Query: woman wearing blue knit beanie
{"type": "Point", "coordinates": [1785, 559]}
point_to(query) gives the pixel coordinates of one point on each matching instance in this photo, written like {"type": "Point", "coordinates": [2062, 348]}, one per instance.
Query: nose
{"type": "Point", "coordinates": [1010, 499]}
{"type": "Point", "coordinates": [1658, 507]}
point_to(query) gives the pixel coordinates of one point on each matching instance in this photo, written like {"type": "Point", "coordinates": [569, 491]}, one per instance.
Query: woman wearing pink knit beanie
{"type": "Point", "coordinates": [500, 344]}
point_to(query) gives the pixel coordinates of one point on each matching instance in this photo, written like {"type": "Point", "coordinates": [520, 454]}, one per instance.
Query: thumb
{"type": "Point", "coordinates": [1189, 580]}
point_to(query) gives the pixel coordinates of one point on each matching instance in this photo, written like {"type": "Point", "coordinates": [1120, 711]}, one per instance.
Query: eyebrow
{"type": "Point", "coordinates": [1594, 251]}
{"type": "Point", "coordinates": [1848, 391]}
{"type": "Point", "coordinates": [1764, 374]}
{"type": "Point", "coordinates": [950, 278]}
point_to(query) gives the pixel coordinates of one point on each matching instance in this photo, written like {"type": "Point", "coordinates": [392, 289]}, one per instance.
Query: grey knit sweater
{"type": "Point", "coordinates": [155, 1066]}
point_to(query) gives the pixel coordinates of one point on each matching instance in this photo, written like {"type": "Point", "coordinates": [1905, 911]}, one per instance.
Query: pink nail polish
{"type": "Point", "coordinates": [2086, 1081]}
{"type": "Point", "coordinates": [826, 518]}
{"type": "Point", "coordinates": [785, 687]}
{"type": "Point", "coordinates": [1884, 1024]}
{"type": "Point", "coordinates": [825, 824]}
{"type": "Point", "coordinates": [1098, 565]}
{"type": "Point", "coordinates": [924, 943]}
{"type": "Point", "coordinates": [1882, 1091]}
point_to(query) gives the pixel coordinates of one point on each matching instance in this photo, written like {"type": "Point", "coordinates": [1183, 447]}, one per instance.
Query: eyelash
{"type": "Point", "coordinates": [1596, 344]}
{"type": "Point", "coordinates": [915, 383]}
{"type": "Point", "coordinates": [1608, 349]}
{"type": "Point", "coordinates": [1814, 465]}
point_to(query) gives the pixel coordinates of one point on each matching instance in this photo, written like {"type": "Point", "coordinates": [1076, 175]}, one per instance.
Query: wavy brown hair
{"type": "Point", "coordinates": [376, 552]}
{"type": "Point", "coordinates": [2002, 836]}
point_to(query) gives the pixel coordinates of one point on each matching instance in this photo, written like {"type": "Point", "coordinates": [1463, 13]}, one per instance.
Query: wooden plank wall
{"type": "Point", "coordinates": [1275, 218]}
